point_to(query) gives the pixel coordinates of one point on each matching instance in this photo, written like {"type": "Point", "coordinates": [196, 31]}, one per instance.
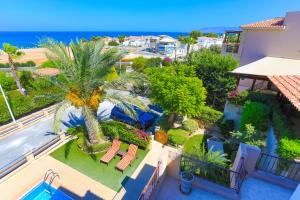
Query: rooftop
{"type": "Point", "coordinates": [270, 66]}
{"type": "Point", "coordinates": [289, 87]}
{"type": "Point", "coordinates": [274, 23]}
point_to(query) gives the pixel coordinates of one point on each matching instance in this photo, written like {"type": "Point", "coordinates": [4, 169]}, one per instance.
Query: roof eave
{"type": "Point", "coordinates": [263, 28]}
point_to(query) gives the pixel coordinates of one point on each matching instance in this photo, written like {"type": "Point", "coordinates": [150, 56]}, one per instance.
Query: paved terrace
{"type": "Point", "coordinates": [252, 189]}
{"type": "Point", "coordinates": [76, 184]}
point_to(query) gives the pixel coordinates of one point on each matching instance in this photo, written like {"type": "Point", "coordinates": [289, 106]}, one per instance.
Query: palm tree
{"type": "Point", "coordinates": [121, 38]}
{"type": "Point", "coordinates": [85, 82]}
{"type": "Point", "coordinates": [189, 41]}
{"type": "Point", "coordinates": [13, 53]}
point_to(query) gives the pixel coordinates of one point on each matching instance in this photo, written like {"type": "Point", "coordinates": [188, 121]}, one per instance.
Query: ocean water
{"type": "Point", "coordinates": [32, 39]}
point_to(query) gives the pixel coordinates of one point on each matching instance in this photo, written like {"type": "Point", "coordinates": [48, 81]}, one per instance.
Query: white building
{"type": "Point", "coordinates": [170, 47]}
{"type": "Point", "coordinates": [206, 42]}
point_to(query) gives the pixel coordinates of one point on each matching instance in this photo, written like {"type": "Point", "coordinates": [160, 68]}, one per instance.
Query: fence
{"type": "Point", "coordinates": [27, 121]}
{"type": "Point", "coordinates": [23, 159]}
{"type": "Point", "coordinates": [214, 173]}
{"type": "Point", "coordinates": [151, 185]}
{"type": "Point", "coordinates": [13, 165]}
{"type": "Point", "coordinates": [279, 166]}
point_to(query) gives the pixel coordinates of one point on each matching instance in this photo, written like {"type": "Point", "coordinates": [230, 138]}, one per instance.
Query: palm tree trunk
{"type": "Point", "coordinates": [188, 49]}
{"type": "Point", "coordinates": [14, 74]}
{"type": "Point", "coordinates": [93, 130]}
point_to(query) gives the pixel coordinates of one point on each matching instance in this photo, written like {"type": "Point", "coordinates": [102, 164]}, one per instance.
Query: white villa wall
{"type": "Point", "coordinates": [256, 44]}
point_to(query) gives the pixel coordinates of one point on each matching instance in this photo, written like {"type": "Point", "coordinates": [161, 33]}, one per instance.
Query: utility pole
{"type": "Point", "coordinates": [10, 112]}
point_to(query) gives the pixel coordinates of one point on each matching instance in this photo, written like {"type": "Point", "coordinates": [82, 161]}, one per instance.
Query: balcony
{"type": "Point", "coordinates": [231, 43]}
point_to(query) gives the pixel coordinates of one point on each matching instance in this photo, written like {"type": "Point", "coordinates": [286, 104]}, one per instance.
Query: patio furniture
{"type": "Point", "coordinates": [112, 152]}
{"type": "Point", "coordinates": [128, 158]}
{"type": "Point", "coordinates": [121, 153]}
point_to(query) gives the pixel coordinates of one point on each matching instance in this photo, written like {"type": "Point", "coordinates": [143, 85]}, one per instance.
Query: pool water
{"type": "Point", "coordinates": [44, 191]}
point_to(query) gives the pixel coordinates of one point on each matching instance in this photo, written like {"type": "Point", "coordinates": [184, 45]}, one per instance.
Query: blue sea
{"type": "Point", "coordinates": [32, 39]}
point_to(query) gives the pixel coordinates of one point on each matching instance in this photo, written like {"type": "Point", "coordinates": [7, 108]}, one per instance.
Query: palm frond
{"type": "Point", "coordinates": [133, 78]}
{"type": "Point", "coordinates": [126, 103]}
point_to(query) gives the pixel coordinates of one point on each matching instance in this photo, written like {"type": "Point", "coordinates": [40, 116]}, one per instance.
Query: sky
{"type": "Point", "coordinates": [136, 15]}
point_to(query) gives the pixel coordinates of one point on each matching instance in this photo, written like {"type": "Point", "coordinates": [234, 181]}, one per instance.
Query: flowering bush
{"type": "Point", "coordinates": [142, 135]}
{"type": "Point", "coordinates": [237, 98]}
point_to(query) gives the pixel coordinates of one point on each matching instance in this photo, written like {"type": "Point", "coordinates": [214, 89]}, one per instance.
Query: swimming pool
{"type": "Point", "coordinates": [43, 191]}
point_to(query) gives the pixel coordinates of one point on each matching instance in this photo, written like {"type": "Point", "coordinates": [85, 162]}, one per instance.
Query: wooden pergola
{"type": "Point", "coordinates": [283, 74]}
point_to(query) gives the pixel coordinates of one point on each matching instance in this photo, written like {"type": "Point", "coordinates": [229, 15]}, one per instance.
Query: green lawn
{"type": "Point", "coordinates": [90, 165]}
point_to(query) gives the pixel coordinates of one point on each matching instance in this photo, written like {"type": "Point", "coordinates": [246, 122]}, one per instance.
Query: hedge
{"type": "Point", "coordinates": [177, 136]}
{"type": "Point", "coordinates": [209, 116]}
{"type": "Point", "coordinates": [114, 129]}
{"type": "Point", "coordinates": [289, 148]}
{"type": "Point", "coordinates": [22, 105]}
{"type": "Point", "coordinates": [256, 114]}
{"type": "Point", "coordinates": [190, 125]}
{"type": "Point", "coordinates": [289, 145]}
{"type": "Point", "coordinates": [29, 63]}
{"type": "Point", "coordinates": [7, 82]}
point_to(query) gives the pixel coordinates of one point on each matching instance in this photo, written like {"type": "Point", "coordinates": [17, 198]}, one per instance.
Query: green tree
{"type": "Point", "coordinates": [212, 35]}
{"type": "Point", "coordinates": [139, 63]}
{"type": "Point", "coordinates": [113, 43]}
{"type": "Point", "coordinates": [177, 90]}
{"type": "Point", "coordinates": [13, 53]}
{"type": "Point", "coordinates": [188, 41]}
{"type": "Point", "coordinates": [213, 70]}
{"type": "Point", "coordinates": [85, 82]}
{"type": "Point", "coordinates": [96, 38]}
{"type": "Point", "coordinates": [215, 49]}
{"type": "Point", "coordinates": [195, 34]}
{"type": "Point", "coordinates": [121, 38]}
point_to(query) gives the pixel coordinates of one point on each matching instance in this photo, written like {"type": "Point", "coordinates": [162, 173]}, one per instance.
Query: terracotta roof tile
{"type": "Point", "coordinates": [289, 86]}
{"type": "Point", "coordinates": [275, 23]}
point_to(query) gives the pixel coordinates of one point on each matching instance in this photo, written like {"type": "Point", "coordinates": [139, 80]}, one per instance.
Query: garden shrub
{"type": "Point", "coordinates": [193, 144]}
{"type": "Point", "coordinates": [238, 98]}
{"type": "Point", "coordinates": [22, 105]}
{"type": "Point", "coordinates": [126, 133]}
{"type": "Point", "coordinates": [4, 65]}
{"type": "Point", "coordinates": [139, 63]}
{"type": "Point", "coordinates": [29, 63]}
{"type": "Point", "coordinates": [82, 141]}
{"type": "Point", "coordinates": [177, 136]}
{"type": "Point", "coordinates": [209, 116]}
{"type": "Point", "coordinates": [249, 136]}
{"type": "Point", "coordinates": [190, 125]}
{"type": "Point", "coordinates": [7, 82]}
{"type": "Point", "coordinates": [289, 145]}
{"type": "Point", "coordinates": [161, 136]}
{"type": "Point", "coordinates": [26, 78]}
{"type": "Point", "coordinates": [255, 113]}
{"type": "Point", "coordinates": [289, 148]}
{"type": "Point", "coordinates": [113, 43]}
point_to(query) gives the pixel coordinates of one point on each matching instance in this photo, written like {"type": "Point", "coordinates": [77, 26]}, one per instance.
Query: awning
{"type": "Point", "coordinates": [289, 86]}
{"type": "Point", "coordinates": [270, 66]}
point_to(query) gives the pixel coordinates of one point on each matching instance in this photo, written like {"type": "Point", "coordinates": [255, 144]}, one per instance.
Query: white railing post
{"type": "Point", "coordinates": [10, 111]}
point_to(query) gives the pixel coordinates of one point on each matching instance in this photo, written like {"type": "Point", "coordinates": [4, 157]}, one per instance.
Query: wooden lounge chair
{"type": "Point", "coordinates": [112, 152]}
{"type": "Point", "coordinates": [128, 158]}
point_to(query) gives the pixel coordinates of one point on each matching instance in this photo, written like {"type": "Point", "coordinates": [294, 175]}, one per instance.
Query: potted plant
{"type": "Point", "coordinates": [187, 178]}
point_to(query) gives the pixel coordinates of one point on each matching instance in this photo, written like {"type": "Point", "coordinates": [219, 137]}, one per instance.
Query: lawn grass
{"type": "Point", "coordinates": [193, 144]}
{"type": "Point", "coordinates": [90, 165]}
